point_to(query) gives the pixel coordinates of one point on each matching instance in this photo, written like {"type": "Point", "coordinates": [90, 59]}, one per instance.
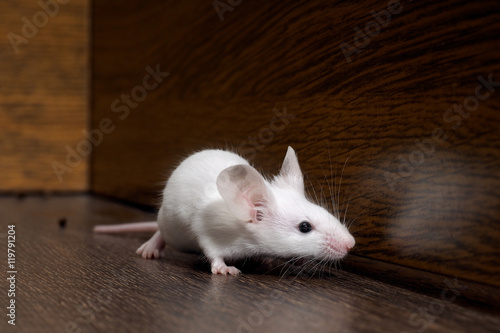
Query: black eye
{"type": "Point", "coordinates": [305, 227]}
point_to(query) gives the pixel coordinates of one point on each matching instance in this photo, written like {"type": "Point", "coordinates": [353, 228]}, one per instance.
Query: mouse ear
{"type": "Point", "coordinates": [244, 191]}
{"type": "Point", "coordinates": [290, 171]}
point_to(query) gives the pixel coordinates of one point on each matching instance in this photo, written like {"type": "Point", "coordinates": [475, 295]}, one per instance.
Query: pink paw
{"type": "Point", "coordinates": [152, 248]}
{"type": "Point", "coordinates": [221, 268]}
{"type": "Point", "coordinates": [148, 252]}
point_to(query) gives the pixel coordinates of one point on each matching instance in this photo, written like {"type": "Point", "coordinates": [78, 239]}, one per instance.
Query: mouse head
{"type": "Point", "coordinates": [280, 217]}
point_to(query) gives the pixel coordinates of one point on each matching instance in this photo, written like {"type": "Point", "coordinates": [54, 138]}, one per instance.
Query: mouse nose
{"type": "Point", "coordinates": [349, 244]}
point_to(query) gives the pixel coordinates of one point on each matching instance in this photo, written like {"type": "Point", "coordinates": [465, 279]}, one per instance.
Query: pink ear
{"type": "Point", "coordinates": [244, 191]}
{"type": "Point", "coordinates": [290, 171]}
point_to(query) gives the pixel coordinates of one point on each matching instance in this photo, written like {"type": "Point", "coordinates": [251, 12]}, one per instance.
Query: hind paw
{"type": "Point", "coordinates": [152, 249]}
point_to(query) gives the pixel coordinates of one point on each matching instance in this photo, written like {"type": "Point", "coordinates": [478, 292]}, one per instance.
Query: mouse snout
{"type": "Point", "coordinates": [349, 244]}
{"type": "Point", "coordinates": [341, 246]}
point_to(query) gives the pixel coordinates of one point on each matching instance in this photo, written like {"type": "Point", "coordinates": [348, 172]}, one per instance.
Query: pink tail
{"type": "Point", "coordinates": [127, 227]}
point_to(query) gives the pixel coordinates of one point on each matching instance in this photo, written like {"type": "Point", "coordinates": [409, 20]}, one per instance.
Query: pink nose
{"type": "Point", "coordinates": [349, 245]}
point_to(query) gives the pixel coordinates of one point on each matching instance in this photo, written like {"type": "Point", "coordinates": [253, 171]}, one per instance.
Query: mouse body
{"type": "Point", "coordinates": [216, 203]}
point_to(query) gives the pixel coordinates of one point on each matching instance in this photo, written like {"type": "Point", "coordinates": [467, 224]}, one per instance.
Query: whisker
{"type": "Point", "coordinates": [335, 198]}
{"type": "Point", "coordinates": [312, 186]}
{"type": "Point", "coordinates": [328, 183]}
{"type": "Point", "coordinates": [351, 221]}
{"type": "Point", "coordinates": [335, 208]}
{"type": "Point", "coordinates": [315, 267]}
{"type": "Point", "coordinates": [287, 268]}
{"type": "Point", "coordinates": [304, 266]}
{"type": "Point", "coordinates": [323, 200]}
{"type": "Point", "coordinates": [291, 265]}
{"type": "Point", "coordinates": [340, 182]}
{"type": "Point", "coordinates": [326, 267]}
{"type": "Point", "coordinates": [347, 206]}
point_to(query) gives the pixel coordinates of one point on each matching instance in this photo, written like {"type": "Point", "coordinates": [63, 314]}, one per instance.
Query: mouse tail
{"type": "Point", "coordinates": [126, 227]}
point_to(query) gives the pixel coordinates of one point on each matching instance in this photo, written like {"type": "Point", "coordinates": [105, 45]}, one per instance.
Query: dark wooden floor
{"type": "Point", "coordinates": [69, 280]}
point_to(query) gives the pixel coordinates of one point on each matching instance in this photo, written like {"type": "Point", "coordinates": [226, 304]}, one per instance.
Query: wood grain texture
{"type": "Point", "coordinates": [70, 280]}
{"type": "Point", "coordinates": [438, 215]}
{"type": "Point", "coordinates": [44, 91]}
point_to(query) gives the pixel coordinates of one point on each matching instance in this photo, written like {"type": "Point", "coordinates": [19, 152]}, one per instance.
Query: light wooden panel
{"type": "Point", "coordinates": [44, 89]}
{"type": "Point", "coordinates": [227, 77]}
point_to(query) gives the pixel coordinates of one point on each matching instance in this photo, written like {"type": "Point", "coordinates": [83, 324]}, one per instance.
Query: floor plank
{"type": "Point", "coordinates": [70, 280]}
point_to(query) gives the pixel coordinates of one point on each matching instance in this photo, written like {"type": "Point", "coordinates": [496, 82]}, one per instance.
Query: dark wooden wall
{"type": "Point", "coordinates": [422, 182]}
{"type": "Point", "coordinates": [44, 94]}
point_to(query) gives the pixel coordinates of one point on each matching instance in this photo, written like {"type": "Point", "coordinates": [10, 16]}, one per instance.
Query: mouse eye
{"type": "Point", "coordinates": [305, 227]}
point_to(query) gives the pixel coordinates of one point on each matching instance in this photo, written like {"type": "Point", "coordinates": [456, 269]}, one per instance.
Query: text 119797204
{"type": "Point", "coordinates": [11, 274]}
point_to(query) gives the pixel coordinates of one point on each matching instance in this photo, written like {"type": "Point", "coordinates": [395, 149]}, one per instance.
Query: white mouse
{"type": "Point", "coordinates": [215, 202]}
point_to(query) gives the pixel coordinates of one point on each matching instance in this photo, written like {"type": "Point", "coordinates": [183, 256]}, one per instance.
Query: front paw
{"type": "Point", "coordinates": [221, 268]}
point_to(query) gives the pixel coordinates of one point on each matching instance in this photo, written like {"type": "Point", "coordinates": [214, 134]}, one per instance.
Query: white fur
{"type": "Point", "coordinates": [216, 203]}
